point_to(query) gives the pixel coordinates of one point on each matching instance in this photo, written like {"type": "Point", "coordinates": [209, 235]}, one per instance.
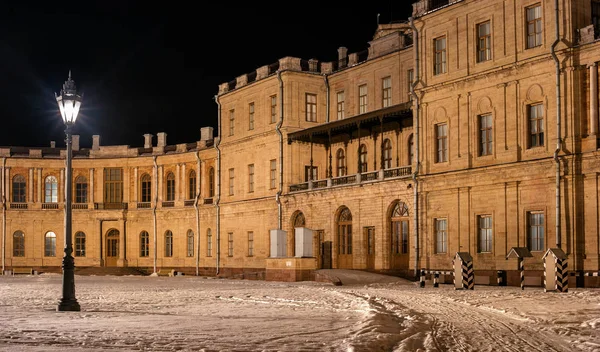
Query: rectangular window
{"type": "Point", "coordinates": [386, 92]}
{"type": "Point", "coordinates": [484, 42]}
{"type": "Point", "coordinates": [310, 176]}
{"type": "Point", "coordinates": [362, 99]}
{"type": "Point", "coordinates": [230, 244]}
{"type": "Point", "coordinates": [19, 189]}
{"type": "Point", "coordinates": [80, 244]}
{"type": "Point", "coordinates": [441, 135]}
{"type": "Point", "coordinates": [311, 107]}
{"type": "Point", "coordinates": [209, 244]}
{"type": "Point", "coordinates": [113, 185]}
{"type": "Point", "coordinates": [535, 231]}
{"type": "Point", "coordinates": [534, 26]}
{"type": "Point", "coordinates": [144, 244]}
{"type": "Point", "coordinates": [190, 243]}
{"type": "Point", "coordinates": [169, 244]}
{"type": "Point", "coordinates": [231, 122]}
{"type": "Point", "coordinates": [441, 236]}
{"type": "Point", "coordinates": [251, 116]}
{"type": "Point", "coordinates": [439, 65]}
{"type": "Point", "coordinates": [404, 236]}
{"type": "Point", "coordinates": [251, 178]}
{"type": "Point", "coordinates": [50, 245]}
{"type": "Point", "coordinates": [341, 105]}
{"type": "Point", "coordinates": [536, 125]}
{"type": "Point", "coordinates": [231, 181]}
{"type": "Point", "coordinates": [485, 134]}
{"type": "Point", "coordinates": [273, 108]}
{"type": "Point", "coordinates": [250, 243]}
{"type": "Point", "coordinates": [273, 174]}
{"type": "Point", "coordinates": [485, 233]}
{"type": "Point", "coordinates": [80, 191]}
{"type": "Point", "coordinates": [410, 77]}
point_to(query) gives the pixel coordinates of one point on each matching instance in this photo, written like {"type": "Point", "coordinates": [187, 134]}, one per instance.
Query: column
{"type": "Point", "coordinates": [101, 186]}
{"type": "Point", "coordinates": [7, 183]}
{"type": "Point", "coordinates": [62, 186]}
{"type": "Point", "coordinates": [179, 186]}
{"type": "Point", "coordinates": [30, 185]}
{"type": "Point", "coordinates": [126, 185]}
{"type": "Point", "coordinates": [91, 190]}
{"type": "Point", "coordinates": [122, 261]}
{"type": "Point", "coordinates": [135, 184]}
{"type": "Point", "coordinates": [39, 185]}
{"type": "Point", "coordinates": [160, 183]}
{"type": "Point", "coordinates": [593, 99]}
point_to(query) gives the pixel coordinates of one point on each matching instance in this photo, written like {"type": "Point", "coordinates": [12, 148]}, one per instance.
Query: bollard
{"type": "Point", "coordinates": [522, 273]}
{"type": "Point", "coordinates": [422, 279]}
{"type": "Point", "coordinates": [436, 279]}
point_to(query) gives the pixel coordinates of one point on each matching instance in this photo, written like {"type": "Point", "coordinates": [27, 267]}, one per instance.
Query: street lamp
{"type": "Point", "coordinates": [68, 103]}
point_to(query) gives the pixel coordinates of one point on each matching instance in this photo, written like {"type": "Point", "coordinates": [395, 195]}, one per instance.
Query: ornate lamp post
{"type": "Point", "coordinates": [68, 103]}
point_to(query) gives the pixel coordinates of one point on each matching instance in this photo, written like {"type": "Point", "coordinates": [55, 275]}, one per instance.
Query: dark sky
{"type": "Point", "coordinates": [155, 68]}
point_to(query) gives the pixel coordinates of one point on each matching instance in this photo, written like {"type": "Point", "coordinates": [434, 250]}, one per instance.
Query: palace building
{"type": "Point", "coordinates": [471, 127]}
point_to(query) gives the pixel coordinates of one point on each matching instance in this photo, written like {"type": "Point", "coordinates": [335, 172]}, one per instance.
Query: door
{"type": "Point", "coordinates": [344, 239]}
{"type": "Point", "coordinates": [112, 248]}
{"type": "Point", "coordinates": [400, 236]}
{"type": "Point", "coordinates": [326, 255]}
{"type": "Point", "coordinates": [369, 244]}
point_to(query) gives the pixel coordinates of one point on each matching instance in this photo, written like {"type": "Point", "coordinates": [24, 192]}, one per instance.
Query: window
{"type": "Point", "coordinates": [386, 153]}
{"type": "Point", "coordinates": [535, 231]}
{"type": "Point", "coordinates": [190, 243]}
{"type": "Point", "coordinates": [211, 182]}
{"type": "Point", "coordinates": [273, 173]}
{"type": "Point", "coordinates": [362, 99]}
{"type": "Point", "coordinates": [144, 244]}
{"type": "Point", "coordinates": [362, 158]}
{"type": "Point", "coordinates": [441, 236]}
{"type": "Point", "coordinates": [441, 135]}
{"type": "Point", "coordinates": [80, 244]}
{"type": "Point", "coordinates": [411, 149]}
{"type": "Point", "coordinates": [439, 65]}
{"type": "Point", "coordinates": [146, 188]}
{"type": "Point", "coordinates": [484, 42]}
{"type": "Point", "coordinates": [50, 244]}
{"type": "Point", "coordinates": [18, 244]}
{"type": "Point", "coordinates": [485, 233]}
{"type": "Point", "coordinates": [251, 178]}
{"type": "Point", "coordinates": [250, 243]}
{"type": "Point", "coordinates": [341, 105]}
{"type": "Point", "coordinates": [168, 243]}
{"type": "Point", "coordinates": [400, 228]}
{"type": "Point", "coordinates": [19, 189]}
{"type": "Point", "coordinates": [170, 187]}
{"type": "Point", "coordinates": [231, 122]}
{"type": "Point", "coordinates": [485, 134]}
{"type": "Point", "coordinates": [341, 162]}
{"type": "Point", "coordinates": [208, 243]}
{"type": "Point", "coordinates": [251, 116]}
{"type": "Point", "coordinates": [310, 176]}
{"type": "Point", "coordinates": [386, 92]}
{"type": "Point", "coordinates": [311, 107]}
{"type": "Point", "coordinates": [81, 189]}
{"type": "Point", "coordinates": [230, 244]}
{"type": "Point", "coordinates": [410, 77]}
{"type": "Point", "coordinates": [51, 190]}
{"type": "Point", "coordinates": [536, 125]}
{"type": "Point", "coordinates": [596, 17]}
{"type": "Point", "coordinates": [534, 26]}
{"type": "Point", "coordinates": [113, 185]}
{"type": "Point", "coordinates": [231, 181]}
{"type": "Point", "coordinates": [273, 108]}
{"type": "Point", "coordinates": [192, 185]}
{"type": "Point", "coordinates": [344, 233]}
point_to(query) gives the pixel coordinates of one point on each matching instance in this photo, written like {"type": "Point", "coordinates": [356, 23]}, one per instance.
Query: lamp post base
{"type": "Point", "coordinates": [68, 305]}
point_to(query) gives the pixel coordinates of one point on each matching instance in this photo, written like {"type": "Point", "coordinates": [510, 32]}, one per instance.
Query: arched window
{"type": "Point", "coordinates": [362, 158]}
{"type": "Point", "coordinates": [81, 189]}
{"type": "Point", "coordinates": [208, 243]}
{"type": "Point", "coordinates": [18, 244]}
{"type": "Point", "coordinates": [341, 162]}
{"type": "Point", "coordinates": [211, 182]}
{"type": "Point", "coordinates": [190, 243]}
{"type": "Point", "coordinates": [386, 153]}
{"type": "Point", "coordinates": [400, 228]}
{"type": "Point", "coordinates": [144, 244]}
{"type": "Point", "coordinates": [168, 243]}
{"type": "Point", "coordinates": [19, 189]}
{"type": "Point", "coordinates": [411, 149]}
{"type": "Point", "coordinates": [170, 187]}
{"type": "Point", "coordinates": [51, 190]}
{"type": "Point", "coordinates": [50, 244]}
{"type": "Point", "coordinates": [299, 220]}
{"type": "Point", "coordinates": [344, 232]}
{"type": "Point", "coordinates": [146, 188]}
{"type": "Point", "coordinates": [80, 244]}
{"type": "Point", "coordinates": [192, 185]}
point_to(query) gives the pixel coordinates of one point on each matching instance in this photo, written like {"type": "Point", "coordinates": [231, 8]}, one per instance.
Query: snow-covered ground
{"type": "Point", "coordinates": [186, 313]}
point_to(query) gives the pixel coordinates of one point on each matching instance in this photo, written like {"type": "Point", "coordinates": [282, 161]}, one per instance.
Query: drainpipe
{"type": "Point", "coordinates": [155, 177]}
{"type": "Point", "coordinates": [197, 214]}
{"type": "Point", "coordinates": [218, 200]}
{"type": "Point", "coordinates": [3, 214]}
{"type": "Point", "coordinates": [558, 131]}
{"type": "Point", "coordinates": [326, 78]}
{"type": "Point", "coordinates": [416, 143]}
{"type": "Point", "coordinates": [278, 129]}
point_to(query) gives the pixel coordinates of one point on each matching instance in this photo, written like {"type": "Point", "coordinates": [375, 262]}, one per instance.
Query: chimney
{"type": "Point", "coordinates": [313, 65]}
{"type": "Point", "coordinates": [206, 133]}
{"type": "Point", "coordinates": [75, 142]}
{"type": "Point", "coordinates": [148, 140]}
{"type": "Point", "coordinates": [96, 142]}
{"type": "Point", "coordinates": [52, 144]}
{"type": "Point", "coordinates": [161, 139]}
{"type": "Point", "coordinates": [342, 56]}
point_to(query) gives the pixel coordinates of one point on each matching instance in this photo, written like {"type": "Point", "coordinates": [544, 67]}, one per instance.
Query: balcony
{"type": "Point", "coordinates": [50, 206]}
{"type": "Point", "coordinates": [365, 177]}
{"type": "Point", "coordinates": [144, 205]}
{"type": "Point", "coordinates": [168, 204]}
{"type": "Point", "coordinates": [110, 206]}
{"type": "Point", "coordinates": [21, 206]}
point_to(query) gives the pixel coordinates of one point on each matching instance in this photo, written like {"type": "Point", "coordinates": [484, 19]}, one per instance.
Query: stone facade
{"type": "Point", "coordinates": [502, 125]}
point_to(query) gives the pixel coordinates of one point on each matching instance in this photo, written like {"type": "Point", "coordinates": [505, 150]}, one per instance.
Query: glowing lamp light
{"type": "Point", "coordinates": [68, 101]}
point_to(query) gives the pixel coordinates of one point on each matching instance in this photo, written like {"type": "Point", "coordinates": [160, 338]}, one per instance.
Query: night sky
{"type": "Point", "coordinates": [155, 68]}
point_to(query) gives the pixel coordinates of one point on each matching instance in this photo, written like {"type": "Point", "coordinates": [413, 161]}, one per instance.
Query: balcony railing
{"type": "Point", "coordinates": [343, 180]}
{"type": "Point", "coordinates": [320, 184]}
{"type": "Point", "coordinates": [79, 206]}
{"type": "Point", "coordinates": [189, 203]}
{"type": "Point", "coordinates": [144, 205]}
{"type": "Point", "coordinates": [299, 187]}
{"type": "Point", "coordinates": [110, 206]}
{"type": "Point", "coordinates": [397, 172]}
{"type": "Point", "coordinates": [50, 206]}
{"type": "Point", "coordinates": [168, 204]}
{"type": "Point", "coordinates": [18, 205]}
{"type": "Point", "coordinates": [369, 176]}
{"type": "Point", "coordinates": [208, 201]}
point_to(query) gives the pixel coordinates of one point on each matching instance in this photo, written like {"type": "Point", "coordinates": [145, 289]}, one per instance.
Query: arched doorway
{"type": "Point", "coordinates": [112, 247]}
{"type": "Point", "coordinates": [399, 236]}
{"type": "Point", "coordinates": [298, 220]}
{"type": "Point", "coordinates": [344, 238]}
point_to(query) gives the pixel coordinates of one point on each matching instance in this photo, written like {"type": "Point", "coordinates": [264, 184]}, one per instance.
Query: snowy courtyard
{"type": "Point", "coordinates": [187, 313]}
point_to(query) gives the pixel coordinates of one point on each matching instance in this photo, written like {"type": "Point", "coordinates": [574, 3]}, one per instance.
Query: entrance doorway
{"type": "Point", "coordinates": [344, 239]}
{"type": "Point", "coordinates": [399, 236]}
{"type": "Point", "coordinates": [112, 247]}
